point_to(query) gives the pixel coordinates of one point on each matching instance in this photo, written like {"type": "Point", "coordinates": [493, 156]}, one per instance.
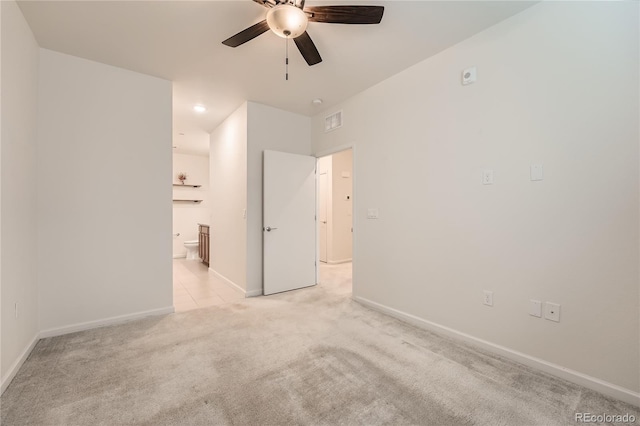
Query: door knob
{"type": "Point", "coordinates": [269, 229]}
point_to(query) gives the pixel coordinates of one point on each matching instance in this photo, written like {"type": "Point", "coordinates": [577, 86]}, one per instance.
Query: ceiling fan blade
{"type": "Point", "coordinates": [247, 34]}
{"type": "Point", "coordinates": [308, 49]}
{"type": "Point", "coordinates": [346, 14]}
{"type": "Point", "coordinates": [266, 3]}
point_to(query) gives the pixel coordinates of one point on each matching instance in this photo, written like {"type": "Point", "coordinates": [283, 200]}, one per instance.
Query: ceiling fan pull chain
{"type": "Point", "coordinates": [286, 61]}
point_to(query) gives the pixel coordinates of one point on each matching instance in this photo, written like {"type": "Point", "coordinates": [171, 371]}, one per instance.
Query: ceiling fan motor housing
{"type": "Point", "coordinates": [287, 21]}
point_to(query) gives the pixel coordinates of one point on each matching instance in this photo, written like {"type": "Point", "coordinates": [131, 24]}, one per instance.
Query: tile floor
{"type": "Point", "coordinates": [194, 286]}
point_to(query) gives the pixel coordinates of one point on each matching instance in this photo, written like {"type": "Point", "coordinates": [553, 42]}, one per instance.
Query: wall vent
{"type": "Point", "coordinates": [333, 121]}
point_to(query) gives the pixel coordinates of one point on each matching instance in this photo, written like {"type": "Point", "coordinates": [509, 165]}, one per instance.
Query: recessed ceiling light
{"type": "Point", "coordinates": [199, 108]}
{"type": "Point", "coordinates": [317, 101]}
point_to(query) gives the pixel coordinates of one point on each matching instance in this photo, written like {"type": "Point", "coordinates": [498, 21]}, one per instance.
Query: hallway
{"type": "Point", "coordinates": [194, 287]}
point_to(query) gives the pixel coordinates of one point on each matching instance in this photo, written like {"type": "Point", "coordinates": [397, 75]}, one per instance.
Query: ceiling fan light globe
{"type": "Point", "coordinates": [287, 21]}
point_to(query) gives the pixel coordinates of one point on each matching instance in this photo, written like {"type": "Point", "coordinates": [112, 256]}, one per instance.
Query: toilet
{"type": "Point", "coordinates": [192, 249]}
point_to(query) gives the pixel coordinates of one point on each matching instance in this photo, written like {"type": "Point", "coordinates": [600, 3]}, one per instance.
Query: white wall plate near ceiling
{"type": "Point", "coordinates": [469, 76]}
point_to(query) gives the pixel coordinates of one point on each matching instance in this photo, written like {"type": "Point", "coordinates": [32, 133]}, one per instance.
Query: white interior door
{"type": "Point", "coordinates": [322, 214]}
{"type": "Point", "coordinates": [289, 224]}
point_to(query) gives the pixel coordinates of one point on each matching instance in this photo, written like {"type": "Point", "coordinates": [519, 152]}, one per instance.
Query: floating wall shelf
{"type": "Point", "coordinates": [190, 186]}
{"type": "Point", "coordinates": [189, 201]}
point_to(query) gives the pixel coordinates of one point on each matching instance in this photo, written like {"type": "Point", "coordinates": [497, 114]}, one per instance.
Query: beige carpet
{"type": "Point", "coordinates": [308, 357]}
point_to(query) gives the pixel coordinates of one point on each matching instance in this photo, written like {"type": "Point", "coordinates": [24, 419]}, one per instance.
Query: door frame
{"type": "Point", "coordinates": [322, 177]}
{"type": "Point", "coordinates": [354, 220]}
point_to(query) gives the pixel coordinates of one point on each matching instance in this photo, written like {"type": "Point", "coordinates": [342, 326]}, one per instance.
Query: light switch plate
{"type": "Point", "coordinates": [372, 213]}
{"type": "Point", "coordinates": [537, 172]}
{"type": "Point", "coordinates": [535, 308]}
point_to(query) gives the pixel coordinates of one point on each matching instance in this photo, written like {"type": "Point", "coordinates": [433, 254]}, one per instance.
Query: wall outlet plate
{"type": "Point", "coordinates": [488, 298]}
{"type": "Point", "coordinates": [487, 177]}
{"type": "Point", "coordinates": [552, 311]}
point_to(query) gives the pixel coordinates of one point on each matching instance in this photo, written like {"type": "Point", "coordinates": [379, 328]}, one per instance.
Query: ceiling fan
{"type": "Point", "coordinates": [289, 19]}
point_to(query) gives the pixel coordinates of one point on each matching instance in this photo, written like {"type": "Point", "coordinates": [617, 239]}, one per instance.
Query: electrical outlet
{"type": "Point", "coordinates": [552, 311]}
{"type": "Point", "coordinates": [487, 177]}
{"type": "Point", "coordinates": [488, 298]}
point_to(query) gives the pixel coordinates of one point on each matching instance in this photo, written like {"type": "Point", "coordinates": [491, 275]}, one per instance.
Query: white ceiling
{"type": "Point", "coordinates": [181, 41]}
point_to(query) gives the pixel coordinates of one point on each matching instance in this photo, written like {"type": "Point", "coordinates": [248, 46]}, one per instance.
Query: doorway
{"type": "Point", "coordinates": [335, 215]}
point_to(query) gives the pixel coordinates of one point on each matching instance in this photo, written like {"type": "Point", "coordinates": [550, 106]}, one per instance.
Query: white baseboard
{"type": "Point", "coordinates": [15, 367]}
{"type": "Point", "coordinates": [180, 256]}
{"type": "Point", "coordinates": [58, 331]}
{"type": "Point", "coordinates": [254, 293]}
{"type": "Point", "coordinates": [337, 262]}
{"type": "Point", "coordinates": [230, 283]}
{"type": "Point", "coordinates": [585, 380]}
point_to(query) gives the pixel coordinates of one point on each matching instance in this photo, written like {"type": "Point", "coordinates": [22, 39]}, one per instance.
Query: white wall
{"type": "Point", "coordinates": [104, 193]}
{"type": "Point", "coordinates": [236, 186]}
{"type": "Point", "coordinates": [228, 176]}
{"type": "Point", "coordinates": [18, 188]}
{"type": "Point", "coordinates": [268, 129]}
{"type": "Point", "coordinates": [186, 216]}
{"type": "Point", "coordinates": [557, 85]}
